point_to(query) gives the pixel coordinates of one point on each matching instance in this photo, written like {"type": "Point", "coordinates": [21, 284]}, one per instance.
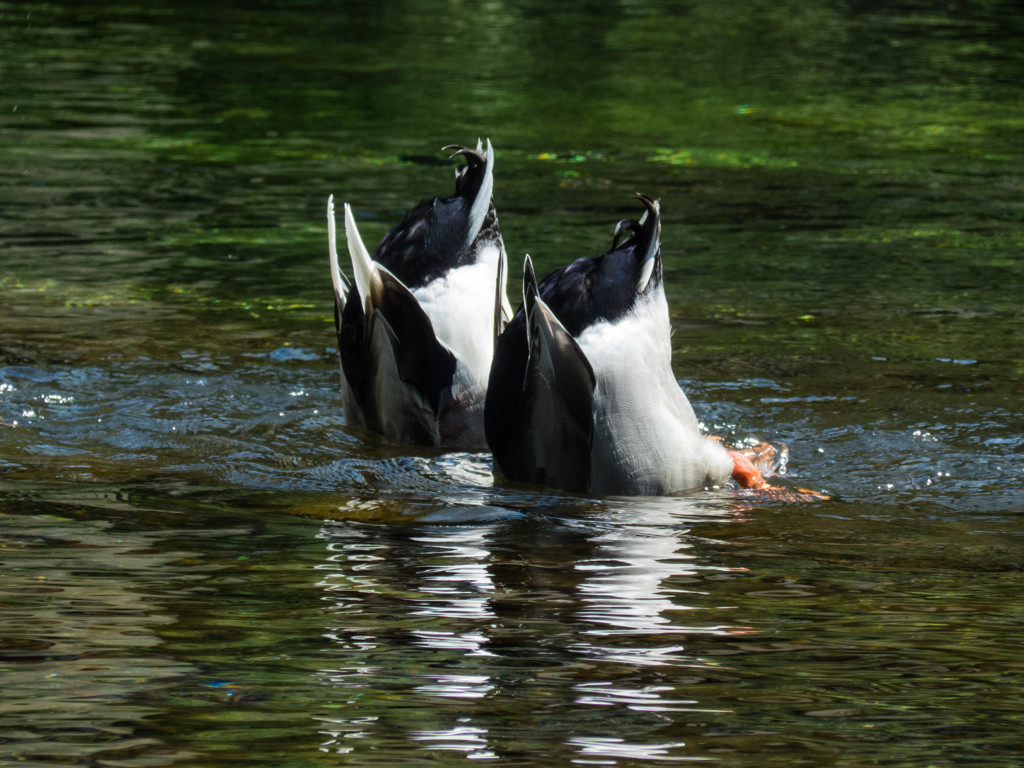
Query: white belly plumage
{"type": "Point", "coordinates": [647, 440]}
{"type": "Point", "coordinates": [460, 306]}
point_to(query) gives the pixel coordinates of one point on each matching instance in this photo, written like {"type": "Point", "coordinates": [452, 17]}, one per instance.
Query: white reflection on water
{"type": "Point", "coordinates": [455, 580]}
{"type": "Point", "coordinates": [631, 584]}
{"type": "Point", "coordinates": [457, 686]}
{"type": "Point", "coordinates": [623, 587]}
{"type": "Point", "coordinates": [347, 580]}
{"type": "Point", "coordinates": [343, 733]}
{"type": "Point", "coordinates": [456, 585]}
{"type": "Point", "coordinates": [440, 627]}
{"type": "Point", "coordinates": [461, 738]}
{"type": "Point", "coordinates": [597, 751]}
{"type": "Point", "coordinates": [651, 698]}
{"type": "Point", "coordinates": [432, 590]}
{"type": "Point", "coordinates": [635, 611]}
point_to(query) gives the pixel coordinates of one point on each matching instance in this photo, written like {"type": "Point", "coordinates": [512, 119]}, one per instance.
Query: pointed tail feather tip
{"type": "Point", "coordinates": [337, 278]}
{"type": "Point", "coordinates": [654, 241]}
{"type": "Point", "coordinates": [529, 278]}
{"type": "Point", "coordinates": [362, 264]}
{"type": "Point", "coordinates": [482, 201]}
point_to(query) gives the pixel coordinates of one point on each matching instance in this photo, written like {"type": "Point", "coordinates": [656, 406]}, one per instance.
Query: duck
{"type": "Point", "coordinates": [417, 322]}
{"type": "Point", "coordinates": [581, 395]}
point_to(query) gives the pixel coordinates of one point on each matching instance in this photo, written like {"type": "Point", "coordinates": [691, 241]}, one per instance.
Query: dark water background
{"type": "Point", "coordinates": [200, 564]}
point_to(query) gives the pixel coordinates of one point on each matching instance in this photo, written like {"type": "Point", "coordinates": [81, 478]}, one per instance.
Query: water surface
{"type": "Point", "coordinates": [202, 564]}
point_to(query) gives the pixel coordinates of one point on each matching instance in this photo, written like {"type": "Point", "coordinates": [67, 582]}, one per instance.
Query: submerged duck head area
{"type": "Point", "coordinates": [204, 562]}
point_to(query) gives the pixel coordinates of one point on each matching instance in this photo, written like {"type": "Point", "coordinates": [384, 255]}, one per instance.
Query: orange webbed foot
{"type": "Point", "coordinates": [744, 472]}
{"type": "Point", "coordinates": [751, 465]}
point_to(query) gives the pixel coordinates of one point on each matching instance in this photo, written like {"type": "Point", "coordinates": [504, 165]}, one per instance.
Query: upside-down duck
{"type": "Point", "coordinates": [417, 324]}
{"type": "Point", "coordinates": [581, 394]}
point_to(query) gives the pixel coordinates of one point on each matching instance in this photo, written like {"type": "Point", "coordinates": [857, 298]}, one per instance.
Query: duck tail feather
{"type": "Point", "coordinates": [500, 295]}
{"type": "Point", "coordinates": [338, 279]}
{"type": "Point", "coordinates": [364, 271]}
{"type": "Point", "coordinates": [530, 293]}
{"type": "Point", "coordinates": [423, 361]}
{"type": "Point", "coordinates": [558, 395]}
{"type": "Point", "coordinates": [649, 234]}
{"type": "Point", "coordinates": [475, 179]}
{"type": "Point", "coordinates": [482, 202]}
{"type": "Point", "coordinates": [506, 307]}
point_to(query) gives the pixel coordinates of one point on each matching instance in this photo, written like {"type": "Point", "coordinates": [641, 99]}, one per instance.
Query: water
{"type": "Point", "coordinates": [201, 564]}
